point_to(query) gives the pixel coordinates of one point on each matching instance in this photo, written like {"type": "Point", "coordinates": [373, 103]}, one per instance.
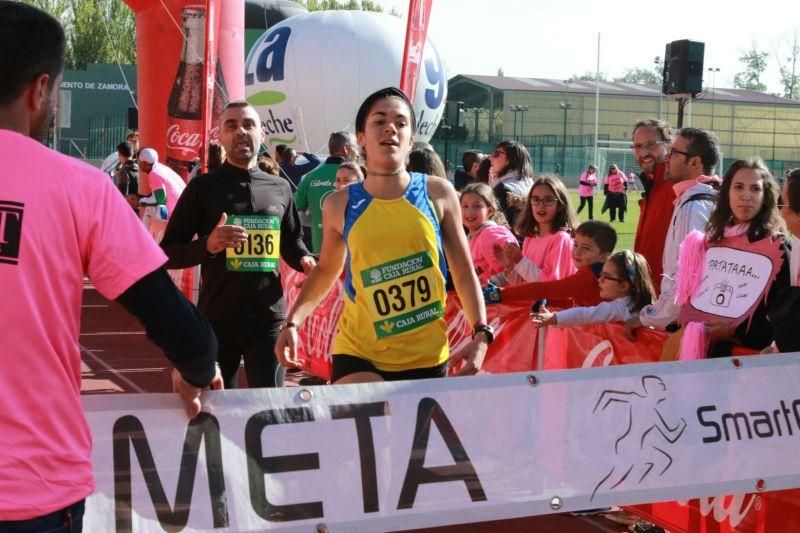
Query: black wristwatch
{"type": "Point", "coordinates": [288, 325]}
{"type": "Point", "coordinates": [486, 329]}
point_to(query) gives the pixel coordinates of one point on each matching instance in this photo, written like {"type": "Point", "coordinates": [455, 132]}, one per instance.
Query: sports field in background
{"type": "Point", "coordinates": [625, 230]}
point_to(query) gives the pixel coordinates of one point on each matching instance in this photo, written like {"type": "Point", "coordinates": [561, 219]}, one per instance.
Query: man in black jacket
{"type": "Point", "coordinates": [245, 221]}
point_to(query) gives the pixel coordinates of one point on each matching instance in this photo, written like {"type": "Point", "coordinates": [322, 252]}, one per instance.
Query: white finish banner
{"type": "Point", "coordinates": [415, 454]}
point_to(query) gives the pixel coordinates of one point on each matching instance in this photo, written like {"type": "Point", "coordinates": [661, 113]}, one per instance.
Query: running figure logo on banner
{"type": "Point", "coordinates": [641, 446]}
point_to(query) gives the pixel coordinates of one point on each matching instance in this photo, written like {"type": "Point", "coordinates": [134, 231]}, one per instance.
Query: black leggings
{"type": "Point", "coordinates": [587, 200]}
{"type": "Point", "coordinates": [255, 341]}
{"type": "Point", "coordinates": [344, 365]}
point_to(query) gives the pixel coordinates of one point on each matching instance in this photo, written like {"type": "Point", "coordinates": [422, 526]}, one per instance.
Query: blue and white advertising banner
{"type": "Point", "coordinates": [403, 455]}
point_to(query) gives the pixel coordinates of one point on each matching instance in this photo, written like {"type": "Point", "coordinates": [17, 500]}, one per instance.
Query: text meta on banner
{"type": "Point", "coordinates": [436, 452]}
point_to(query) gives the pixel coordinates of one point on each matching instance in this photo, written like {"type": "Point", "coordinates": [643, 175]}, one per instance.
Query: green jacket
{"type": "Point", "coordinates": [312, 191]}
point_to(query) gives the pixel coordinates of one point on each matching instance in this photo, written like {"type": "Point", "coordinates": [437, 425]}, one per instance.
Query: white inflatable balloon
{"type": "Point", "coordinates": [308, 75]}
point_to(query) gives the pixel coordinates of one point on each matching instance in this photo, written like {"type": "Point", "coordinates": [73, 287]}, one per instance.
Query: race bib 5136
{"type": "Point", "coordinates": [262, 250]}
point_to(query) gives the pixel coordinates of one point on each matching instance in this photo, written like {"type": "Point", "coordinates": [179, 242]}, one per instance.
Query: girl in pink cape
{"type": "Point", "coordinates": [746, 218]}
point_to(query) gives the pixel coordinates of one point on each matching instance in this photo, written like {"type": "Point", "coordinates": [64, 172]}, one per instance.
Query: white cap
{"type": "Point", "coordinates": [148, 155]}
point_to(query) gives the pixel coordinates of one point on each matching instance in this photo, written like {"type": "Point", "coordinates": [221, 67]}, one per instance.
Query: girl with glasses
{"type": "Point", "coordinates": [625, 284]}
{"type": "Point", "coordinates": [546, 223]}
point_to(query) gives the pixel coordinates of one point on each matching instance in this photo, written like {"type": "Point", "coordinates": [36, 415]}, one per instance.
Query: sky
{"type": "Point", "coordinates": [558, 39]}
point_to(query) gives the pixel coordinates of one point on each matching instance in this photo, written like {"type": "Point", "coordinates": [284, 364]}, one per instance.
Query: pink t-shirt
{"type": "Point", "coordinates": [163, 177]}
{"type": "Point", "coordinates": [616, 182]}
{"type": "Point", "coordinates": [60, 219]}
{"type": "Point", "coordinates": [552, 254]}
{"type": "Point", "coordinates": [482, 252]}
{"type": "Point", "coordinates": [587, 190]}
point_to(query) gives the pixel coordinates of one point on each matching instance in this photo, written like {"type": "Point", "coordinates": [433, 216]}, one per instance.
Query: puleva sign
{"type": "Point", "coordinates": [308, 75]}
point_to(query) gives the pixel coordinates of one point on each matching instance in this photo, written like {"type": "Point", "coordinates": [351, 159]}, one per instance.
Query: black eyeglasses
{"type": "Point", "coordinates": [497, 153]}
{"type": "Point", "coordinates": [676, 151]}
{"type": "Point", "coordinates": [547, 201]}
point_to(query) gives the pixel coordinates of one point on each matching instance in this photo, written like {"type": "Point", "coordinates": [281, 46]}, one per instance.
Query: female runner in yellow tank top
{"type": "Point", "coordinates": [392, 233]}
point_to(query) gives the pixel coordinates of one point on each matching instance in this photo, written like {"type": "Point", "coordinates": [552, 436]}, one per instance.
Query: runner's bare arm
{"type": "Point", "coordinates": [320, 280]}
{"type": "Point", "coordinates": [459, 261]}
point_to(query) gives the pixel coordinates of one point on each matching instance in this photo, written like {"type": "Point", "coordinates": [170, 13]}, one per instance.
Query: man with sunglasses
{"type": "Point", "coordinates": [690, 163]}
{"type": "Point", "coordinates": [651, 140]}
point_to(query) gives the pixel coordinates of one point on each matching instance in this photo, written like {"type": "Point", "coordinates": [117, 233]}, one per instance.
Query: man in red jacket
{"type": "Point", "coordinates": [651, 140]}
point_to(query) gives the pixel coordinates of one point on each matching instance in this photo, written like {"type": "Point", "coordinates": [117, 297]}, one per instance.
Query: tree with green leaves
{"type": "Point", "coordinates": [788, 56]}
{"type": "Point", "coordinates": [755, 63]}
{"type": "Point", "coordinates": [98, 31]}
{"type": "Point", "coordinates": [640, 75]}
{"type": "Point", "coordinates": [588, 76]}
{"type": "Point", "coordinates": [349, 5]}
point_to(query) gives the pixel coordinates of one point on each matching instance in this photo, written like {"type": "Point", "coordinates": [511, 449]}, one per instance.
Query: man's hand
{"type": "Point", "coordinates": [286, 348]}
{"type": "Point", "coordinates": [471, 355]}
{"type": "Point", "coordinates": [191, 394]}
{"type": "Point", "coordinates": [628, 330]}
{"type": "Point", "coordinates": [308, 263]}
{"type": "Point", "coordinates": [224, 236]}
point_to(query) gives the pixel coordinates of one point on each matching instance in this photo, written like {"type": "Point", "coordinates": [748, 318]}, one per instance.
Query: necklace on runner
{"type": "Point", "coordinates": [386, 174]}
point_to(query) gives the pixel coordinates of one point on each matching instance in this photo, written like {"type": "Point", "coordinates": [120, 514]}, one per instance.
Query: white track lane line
{"type": "Point", "coordinates": [102, 363]}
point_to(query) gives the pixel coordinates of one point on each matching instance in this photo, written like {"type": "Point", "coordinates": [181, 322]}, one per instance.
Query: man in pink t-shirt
{"type": "Point", "coordinates": [61, 220]}
{"type": "Point", "coordinates": [166, 186]}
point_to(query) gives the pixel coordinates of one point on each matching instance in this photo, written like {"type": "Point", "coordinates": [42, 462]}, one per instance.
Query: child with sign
{"type": "Point", "coordinates": [547, 223]}
{"type": "Point", "coordinates": [626, 286]}
{"type": "Point", "coordinates": [487, 226]}
{"type": "Point", "coordinates": [729, 279]}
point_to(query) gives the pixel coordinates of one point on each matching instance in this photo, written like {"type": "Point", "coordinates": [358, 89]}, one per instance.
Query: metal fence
{"type": "Point", "coordinates": [105, 133]}
{"type": "Point", "coordinates": [553, 158]}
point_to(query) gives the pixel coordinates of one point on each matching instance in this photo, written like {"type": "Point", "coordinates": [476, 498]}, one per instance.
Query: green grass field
{"type": "Point", "coordinates": [626, 230]}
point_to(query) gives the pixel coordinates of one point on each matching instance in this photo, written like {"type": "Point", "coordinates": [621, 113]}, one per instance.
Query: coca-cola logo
{"type": "Point", "coordinates": [187, 142]}
{"type": "Point", "coordinates": [732, 508]}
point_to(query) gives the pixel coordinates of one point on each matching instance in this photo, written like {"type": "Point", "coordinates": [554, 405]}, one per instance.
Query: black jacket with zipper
{"type": "Point", "coordinates": [225, 295]}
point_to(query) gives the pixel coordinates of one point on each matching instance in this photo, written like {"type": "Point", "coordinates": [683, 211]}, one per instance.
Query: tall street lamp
{"type": "Point", "coordinates": [565, 105]}
{"type": "Point", "coordinates": [517, 109]}
{"type": "Point", "coordinates": [522, 110]}
{"type": "Point", "coordinates": [657, 62]}
{"type": "Point", "coordinates": [713, 71]}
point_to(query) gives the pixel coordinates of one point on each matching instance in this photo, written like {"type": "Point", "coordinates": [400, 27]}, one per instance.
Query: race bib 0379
{"type": "Point", "coordinates": [401, 294]}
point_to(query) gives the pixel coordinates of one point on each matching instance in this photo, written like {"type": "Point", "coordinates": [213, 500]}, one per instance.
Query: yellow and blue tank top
{"type": "Point", "coordinates": [395, 274]}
